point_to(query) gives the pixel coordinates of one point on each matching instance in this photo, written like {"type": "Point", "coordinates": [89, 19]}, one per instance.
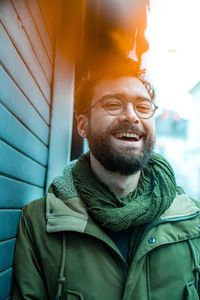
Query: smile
{"type": "Point", "coordinates": [127, 136]}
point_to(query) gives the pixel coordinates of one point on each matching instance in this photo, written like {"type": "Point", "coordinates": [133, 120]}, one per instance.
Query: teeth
{"type": "Point", "coordinates": [128, 135]}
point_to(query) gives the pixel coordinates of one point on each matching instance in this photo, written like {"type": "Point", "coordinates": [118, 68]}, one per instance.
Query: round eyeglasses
{"type": "Point", "coordinates": [115, 105]}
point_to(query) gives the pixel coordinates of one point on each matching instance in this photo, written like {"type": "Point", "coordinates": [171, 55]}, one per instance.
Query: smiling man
{"type": "Point", "coordinates": [115, 225]}
{"type": "Point", "coordinates": [120, 130]}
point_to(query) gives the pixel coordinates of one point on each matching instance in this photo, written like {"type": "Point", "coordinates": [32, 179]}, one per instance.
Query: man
{"type": "Point", "coordinates": [115, 225]}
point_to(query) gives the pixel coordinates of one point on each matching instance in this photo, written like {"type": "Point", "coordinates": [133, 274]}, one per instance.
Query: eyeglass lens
{"type": "Point", "coordinates": [116, 106]}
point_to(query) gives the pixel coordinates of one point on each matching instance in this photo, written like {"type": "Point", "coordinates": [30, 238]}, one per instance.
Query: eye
{"type": "Point", "coordinates": [144, 107]}
{"type": "Point", "coordinates": [112, 104]}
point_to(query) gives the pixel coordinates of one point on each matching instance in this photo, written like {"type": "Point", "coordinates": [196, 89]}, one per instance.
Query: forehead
{"type": "Point", "coordinates": [130, 87]}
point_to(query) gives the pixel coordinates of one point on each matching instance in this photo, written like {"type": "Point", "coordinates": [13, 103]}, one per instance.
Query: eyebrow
{"type": "Point", "coordinates": [124, 96]}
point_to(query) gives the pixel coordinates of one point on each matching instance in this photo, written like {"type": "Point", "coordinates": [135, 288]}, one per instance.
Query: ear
{"type": "Point", "coordinates": [82, 125]}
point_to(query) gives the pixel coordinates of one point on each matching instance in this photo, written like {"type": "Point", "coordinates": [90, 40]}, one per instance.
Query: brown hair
{"type": "Point", "coordinates": [111, 69]}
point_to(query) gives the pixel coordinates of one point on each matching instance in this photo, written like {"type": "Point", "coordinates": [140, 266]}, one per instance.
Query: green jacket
{"type": "Point", "coordinates": [61, 250]}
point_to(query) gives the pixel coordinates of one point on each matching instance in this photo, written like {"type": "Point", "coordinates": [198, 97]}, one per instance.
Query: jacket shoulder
{"type": "Point", "coordinates": [34, 212]}
{"type": "Point", "coordinates": [35, 205]}
{"type": "Point", "coordinates": [197, 203]}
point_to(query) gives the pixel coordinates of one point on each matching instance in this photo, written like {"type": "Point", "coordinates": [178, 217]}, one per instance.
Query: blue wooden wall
{"type": "Point", "coordinates": [26, 72]}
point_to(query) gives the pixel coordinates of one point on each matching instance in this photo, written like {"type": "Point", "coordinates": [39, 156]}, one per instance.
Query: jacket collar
{"type": "Point", "coordinates": [181, 207]}
{"type": "Point", "coordinates": [72, 215]}
{"type": "Point", "coordinates": [69, 213]}
{"type": "Point", "coordinates": [65, 215]}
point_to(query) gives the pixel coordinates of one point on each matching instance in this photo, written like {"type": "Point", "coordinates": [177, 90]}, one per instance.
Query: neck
{"type": "Point", "coordinates": [122, 185]}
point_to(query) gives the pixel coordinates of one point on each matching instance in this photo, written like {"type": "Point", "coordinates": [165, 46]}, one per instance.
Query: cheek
{"type": "Point", "coordinates": [150, 126]}
{"type": "Point", "coordinates": [153, 127]}
{"type": "Point", "coordinates": [99, 122]}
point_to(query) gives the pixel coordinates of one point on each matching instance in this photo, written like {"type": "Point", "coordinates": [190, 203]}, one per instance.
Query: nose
{"type": "Point", "coordinates": [130, 114]}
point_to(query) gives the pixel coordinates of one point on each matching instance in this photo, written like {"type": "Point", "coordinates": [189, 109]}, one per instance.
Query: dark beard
{"type": "Point", "coordinates": [126, 162]}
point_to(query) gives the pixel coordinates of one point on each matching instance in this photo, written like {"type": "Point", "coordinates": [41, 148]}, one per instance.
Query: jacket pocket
{"type": "Point", "coordinates": [191, 292]}
{"type": "Point", "coordinates": [72, 295]}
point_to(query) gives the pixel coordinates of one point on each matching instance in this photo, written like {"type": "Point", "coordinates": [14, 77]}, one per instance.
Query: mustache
{"type": "Point", "coordinates": [126, 128]}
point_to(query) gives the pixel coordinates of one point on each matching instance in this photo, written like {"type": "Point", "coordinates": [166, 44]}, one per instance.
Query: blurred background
{"type": "Point", "coordinates": [173, 64]}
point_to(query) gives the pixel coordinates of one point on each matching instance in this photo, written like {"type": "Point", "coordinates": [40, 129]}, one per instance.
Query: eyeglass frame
{"type": "Point", "coordinates": [124, 106]}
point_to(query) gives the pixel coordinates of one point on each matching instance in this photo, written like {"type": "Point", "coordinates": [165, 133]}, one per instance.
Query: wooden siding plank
{"type": "Point", "coordinates": [16, 102]}
{"type": "Point", "coordinates": [18, 136]}
{"type": "Point", "coordinates": [7, 249]}
{"type": "Point", "coordinates": [41, 26]}
{"type": "Point", "coordinates": [28, 23]}
{"type": "Point", "coordinates": [48, 12]}
{"type": "Point", "coordinates": [15, 66]}
{"type": "Point", "coordinates": [5, 283]}
{"type": "Point", "coordinates": [14, 27]}
{"type": "Point", "coordinates": [16, 31]}
{"type": "Point", "coordinates": [15, 194]}
{"type": "Point", "coordinates": [10, 220]}
{"type": "Point", "coordinates": [17, 165]}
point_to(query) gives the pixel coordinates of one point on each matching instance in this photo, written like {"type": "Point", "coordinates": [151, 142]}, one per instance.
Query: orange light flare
{"type": "Point", "coordinates": [90, 29]}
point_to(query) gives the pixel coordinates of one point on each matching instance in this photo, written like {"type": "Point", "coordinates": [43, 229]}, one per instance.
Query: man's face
{"type": "Point", "coordinates": [122, 143]}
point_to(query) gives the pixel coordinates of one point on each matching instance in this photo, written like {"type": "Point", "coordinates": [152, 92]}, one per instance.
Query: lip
{"type": "Point", "coordinates": [133, 136]}
{"type": "Point", "coordinates": [123, 142]}
{"type": "Point", "coordinates": [127, 129]}
{"type": "Point", "coordinates": [127, 135]}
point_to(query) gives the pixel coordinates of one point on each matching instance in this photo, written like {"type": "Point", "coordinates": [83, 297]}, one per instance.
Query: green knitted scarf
{"type": "Point", "coordinates": [154, 194]}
